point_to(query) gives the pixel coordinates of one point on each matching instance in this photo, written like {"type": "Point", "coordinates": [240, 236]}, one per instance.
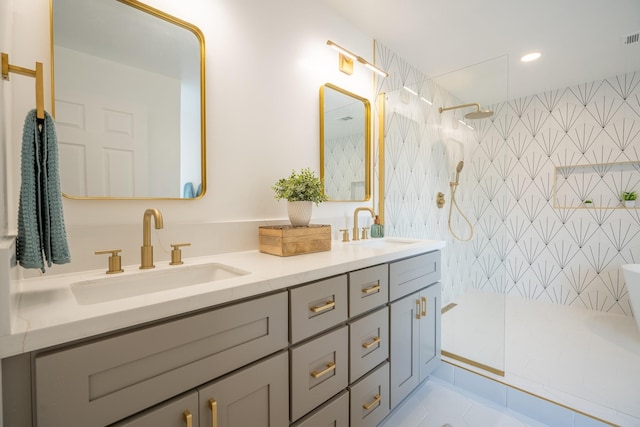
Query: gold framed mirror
{"type": "Point", "coordinates": [345, 144]}
{"type": "Point", "coordinates": [128, 99]}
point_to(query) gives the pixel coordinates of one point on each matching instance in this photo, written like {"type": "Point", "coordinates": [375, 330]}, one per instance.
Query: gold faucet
{"type": "Point", "coordinates": [355, 221]}
{"type": "Point", "coordinates": [146, 252]}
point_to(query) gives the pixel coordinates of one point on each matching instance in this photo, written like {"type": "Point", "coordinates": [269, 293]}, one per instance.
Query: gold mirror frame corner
{"type": "Point", "coordinates": [367, 136]}
{"type": "Point", "coordinates": [202, 51]}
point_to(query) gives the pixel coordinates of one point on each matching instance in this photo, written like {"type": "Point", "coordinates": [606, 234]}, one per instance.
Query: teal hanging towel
{"type": "Point", "coordinates": [41, 231]}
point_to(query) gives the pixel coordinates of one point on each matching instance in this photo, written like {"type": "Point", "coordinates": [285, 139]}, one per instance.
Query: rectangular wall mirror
{"type": "Point", "coordinates": [128, 86]}
{"type": "Point", "coordinates": [345, 144]}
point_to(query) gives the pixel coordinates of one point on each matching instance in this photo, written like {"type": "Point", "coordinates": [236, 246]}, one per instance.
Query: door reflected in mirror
{"type": "Point", "coordinates": [345, 144]}
{"type": "Point", "coordinates": [128, 101]}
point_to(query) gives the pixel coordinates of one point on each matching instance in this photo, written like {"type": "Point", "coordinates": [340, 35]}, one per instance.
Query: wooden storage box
{"type": "Point", "coordinates": [287, 240]}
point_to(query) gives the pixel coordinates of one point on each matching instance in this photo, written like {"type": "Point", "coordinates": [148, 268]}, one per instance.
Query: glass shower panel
{"type": "Point", "coordinates": [422, 150]}
{"type": "Point", "coordinates": [474, 308]}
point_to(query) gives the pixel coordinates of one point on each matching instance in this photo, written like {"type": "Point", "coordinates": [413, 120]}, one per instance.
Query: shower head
{"type": "Point", "coordinates": [478, 114]}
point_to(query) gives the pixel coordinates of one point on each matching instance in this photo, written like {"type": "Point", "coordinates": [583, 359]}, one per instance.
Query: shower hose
{"type": "Point", "coordinates": [454, 187]}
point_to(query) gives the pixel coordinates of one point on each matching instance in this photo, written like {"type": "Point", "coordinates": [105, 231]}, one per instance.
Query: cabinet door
{"type": "Point", "coordinates": [255, 396]}
{"type": "Point", "coordinates": [179, 412]}
{"type": "Point", "coordinates": [430, 306]}
{"type": "Point", "coordinates": [405, 340]}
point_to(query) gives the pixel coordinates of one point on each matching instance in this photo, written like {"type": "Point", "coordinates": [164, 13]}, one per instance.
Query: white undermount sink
{"type": "Point", "coordinates": [386, 242]}
{"type": "Point", "coordinates": [123, 285]}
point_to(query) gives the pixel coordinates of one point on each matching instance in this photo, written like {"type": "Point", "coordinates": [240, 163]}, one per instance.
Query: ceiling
{"type": "Point", "coordinates": [482, 41]}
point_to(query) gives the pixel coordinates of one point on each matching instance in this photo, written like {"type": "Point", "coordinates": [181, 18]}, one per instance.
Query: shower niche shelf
{"type": "Point", "coordinates": [602, 183]}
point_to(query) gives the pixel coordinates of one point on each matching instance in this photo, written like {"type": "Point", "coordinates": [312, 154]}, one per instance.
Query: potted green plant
{"type": "Point", "coordinates": [301, 190]}
{"type": "Point", "coordinates": [629, 198]}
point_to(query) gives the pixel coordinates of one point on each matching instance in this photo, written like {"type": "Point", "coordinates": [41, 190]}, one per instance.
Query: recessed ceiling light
{"type": "Point", "coordinates": [531, 57]}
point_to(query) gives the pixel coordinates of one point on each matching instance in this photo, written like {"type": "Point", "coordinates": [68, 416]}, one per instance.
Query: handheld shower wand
{"type": "Point", "coordinates": [458, 170]}
{"type": "Point", "coordinates": [454, 186]}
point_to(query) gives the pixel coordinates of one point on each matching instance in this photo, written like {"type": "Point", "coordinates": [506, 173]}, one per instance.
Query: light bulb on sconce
{"type": "Point", "coordinates": [346, 58]}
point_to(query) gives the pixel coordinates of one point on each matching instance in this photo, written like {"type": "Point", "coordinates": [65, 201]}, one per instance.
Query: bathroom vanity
{"type": "Point", "coordinates": [339, 337]}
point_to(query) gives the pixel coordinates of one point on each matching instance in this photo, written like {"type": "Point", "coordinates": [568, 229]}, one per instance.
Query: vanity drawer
{"type": "Point", "coordinates": [317, 307]}
{"type": "Point", "coordinates": [411, 274]}
{"type": "Point", "coordinates": [368, 343]}
{"type": "Point", "coordinates": [369, 398]}
{"type": "Point", "coordinates": [100, 382]}
{"type": "Point", "coordinates": [334, 413]}
{"type": "Point", "coordinates": [368, 289]}
{"type": "Point", "coordinates": [319, 370]}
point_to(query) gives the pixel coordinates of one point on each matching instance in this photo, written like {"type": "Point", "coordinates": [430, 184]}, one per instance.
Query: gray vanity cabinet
{"type": "Point", "coordinates": [254, 396]}
{"type": "Point", "coordinates": [414, 323]}
{"type": "Point", "coordinates": [342, 351]}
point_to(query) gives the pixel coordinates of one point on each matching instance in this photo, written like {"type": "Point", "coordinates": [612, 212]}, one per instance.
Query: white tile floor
{"type": "Point", "coordinates": [586, 360]}
{"type": "Point", "coordinates": [436, 403]}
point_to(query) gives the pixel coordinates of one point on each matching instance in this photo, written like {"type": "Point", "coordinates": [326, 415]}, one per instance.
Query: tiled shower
{"type": "Point", "coordinates": [528, 170]}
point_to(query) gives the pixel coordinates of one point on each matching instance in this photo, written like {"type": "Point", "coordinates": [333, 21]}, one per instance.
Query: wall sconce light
{"type": "Point", "coordinates": [346, 58]}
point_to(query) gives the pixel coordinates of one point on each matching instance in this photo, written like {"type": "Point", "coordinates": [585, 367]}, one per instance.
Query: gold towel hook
{"type": "Point", "coordinates": [37, 74]}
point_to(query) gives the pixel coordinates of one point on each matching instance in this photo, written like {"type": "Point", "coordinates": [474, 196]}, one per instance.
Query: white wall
{"type": "Point", "coordinates": [265, 62]}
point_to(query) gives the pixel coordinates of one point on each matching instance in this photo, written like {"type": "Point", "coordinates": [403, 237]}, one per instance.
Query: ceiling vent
{"type": "Point", "coordinates": [631, 38]}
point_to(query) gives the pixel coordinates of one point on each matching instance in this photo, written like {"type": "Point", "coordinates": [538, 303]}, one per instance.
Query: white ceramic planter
{"type": "Point", "coordinates": [299, 213]}
{"type": "Point", "coordinates": [629, 203]}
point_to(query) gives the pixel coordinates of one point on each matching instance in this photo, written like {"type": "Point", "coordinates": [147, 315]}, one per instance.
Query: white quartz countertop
{"type": "Point", "coordinates": [48, 314]}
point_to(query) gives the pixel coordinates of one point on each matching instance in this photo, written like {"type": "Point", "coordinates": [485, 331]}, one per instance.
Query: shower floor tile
{"type": "Point", "coordinates": [586, 360]}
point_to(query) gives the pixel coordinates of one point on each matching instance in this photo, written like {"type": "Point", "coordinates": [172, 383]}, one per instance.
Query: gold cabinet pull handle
{"type": "Point", "coordinates": [418, 309]}
{"type": "Point", "coordinates": [187, 419]}
{"type": "Point", "coordinates": [368, 345]}
{"type": "Point", "coordinates": [371, 289]}
{"type": "Point", "coordinates": [376, 401]}
{"type": "Point", "coordinates": [325, 306]}
{"type": "Point", "coordinates": [330, 367]}
{"type": "Point", "coordinates": [424, 306]}
{"type": "Point", "coordinates": [213, 405]}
